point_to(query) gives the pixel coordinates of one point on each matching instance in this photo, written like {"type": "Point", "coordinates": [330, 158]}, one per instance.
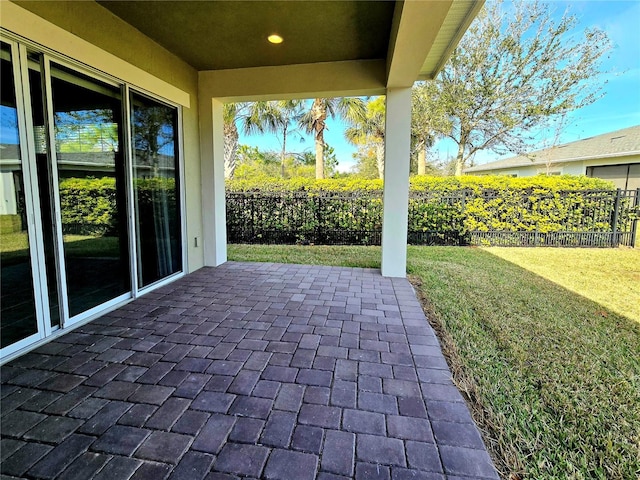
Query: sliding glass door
{"type": "Point", "coordinates": [18, 306]}
{"type": "Point", "coordinates": [155, 185]}
{"type": "Point", "coordinates": [91, 186]}
{"type": "Point", "coordinates": [90, 211]}
{"type": "Point", "coordinates": [44, 175]}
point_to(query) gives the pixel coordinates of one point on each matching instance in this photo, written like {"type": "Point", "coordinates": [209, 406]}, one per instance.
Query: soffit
{"type": "Point", "coordinates": [460, 15]}
{"type": "Point", "coordinates": [217, 35]}
{"type": "Point", "coordinates": [340, 46]}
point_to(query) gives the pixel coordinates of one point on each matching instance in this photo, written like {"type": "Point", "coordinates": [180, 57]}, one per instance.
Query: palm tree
{"type": "Point", "coordinates": [253, 117]}
{"type": "Point", "coordinates": [351, 109]}
{"type": "Point", "coordinates": [426, 118]}
{"type": "Point", "coordinates": [257, 117]}
{"type": "Point", "coordinates": [281, 116]}
{"type": "Point", "coordinates": [370, 130]}
{"type": "Point", "coordinates": [230, 114]}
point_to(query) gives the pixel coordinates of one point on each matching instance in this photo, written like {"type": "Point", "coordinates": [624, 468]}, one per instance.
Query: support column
{"type": "Point", "coordinates": [395, 197]}
{"type": "Point", "coordinates": [214, 213]}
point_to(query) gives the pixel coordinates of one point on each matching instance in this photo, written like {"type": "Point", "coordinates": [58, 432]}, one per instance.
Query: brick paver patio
{"type": "Point", "coordinates": [245, 370]}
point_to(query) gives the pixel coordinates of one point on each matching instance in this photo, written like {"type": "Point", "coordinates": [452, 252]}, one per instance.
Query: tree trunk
{"type": "Point", "coordinates": [380, 159]}
{"type": "Point", "coordinates": [284, 150]}
{"type": "Point", "coordinates": [319, 115]}
{"type": "Point", "coordinates": [460, 160]}
{"type": "Point", "coordinates": [422, 160]}
{"type": "Point", "coordinates": [319, 156]}
{"type": "Point", "coordinates": [230, 149]}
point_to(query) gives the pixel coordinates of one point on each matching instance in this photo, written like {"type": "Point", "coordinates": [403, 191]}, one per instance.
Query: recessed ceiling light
{"type": "Point", "coordinates": [275, 38]}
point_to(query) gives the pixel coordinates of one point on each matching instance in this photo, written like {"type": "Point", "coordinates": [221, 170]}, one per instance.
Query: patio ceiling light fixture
{"type": "Point", "coordinates": [275, 38]}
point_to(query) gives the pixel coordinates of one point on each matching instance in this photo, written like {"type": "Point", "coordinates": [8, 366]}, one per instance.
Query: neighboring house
{"type": "Point", "coordinates": [148, 81]}
{"type": "Point", "coordinates": [72, 164]}
{"type": "Point", "coordinates": [613, 156]}
{"type": "Point", "coordinates": [9, 185]}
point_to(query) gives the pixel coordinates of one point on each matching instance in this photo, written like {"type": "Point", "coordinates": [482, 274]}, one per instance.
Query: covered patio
{"type": "Point", "coordinates": [108, 66]}
{"type": "Point", "coordinates": [195, 367]}
{"type": "Point", "coordinates": [245, 370]}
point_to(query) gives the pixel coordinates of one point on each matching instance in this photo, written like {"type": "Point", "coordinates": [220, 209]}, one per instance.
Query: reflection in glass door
{"type": "Point", "coordinates": [90, 177]}
{"type": "Point", "coordinates": [155, 185]}
{"type": "Point", "coordinates": [18, 310]}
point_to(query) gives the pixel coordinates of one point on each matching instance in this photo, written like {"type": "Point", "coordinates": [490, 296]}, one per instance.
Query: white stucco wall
{"type": "Point", "coordinates": [9, 205]}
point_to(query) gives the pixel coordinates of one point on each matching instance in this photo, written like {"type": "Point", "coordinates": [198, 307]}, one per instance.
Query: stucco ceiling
{"type": "Point", "coordinates": [214, 35]}
{"type": "Point", "coordinates": [335, 47]}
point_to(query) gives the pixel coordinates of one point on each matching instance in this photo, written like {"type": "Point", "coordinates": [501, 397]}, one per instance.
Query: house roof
{"type": "Point", "coordinates": [9, 152]}
{"type": "Point", "coordinates": [10, 158]}
{"type": "Point", "coordinates": [613, 144]}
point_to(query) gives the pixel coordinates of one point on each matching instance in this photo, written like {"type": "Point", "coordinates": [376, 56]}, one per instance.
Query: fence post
{"type": "Point", "coordinates": [252, 199]}
{"type": "Point", "coordinates": [634, 223]}
{"type": "Point", "coordinates": [318, 218]}
{"type": "Point", "coordinates": [616, 212]}
{"type": "Point", "coordinates": [463, 218]}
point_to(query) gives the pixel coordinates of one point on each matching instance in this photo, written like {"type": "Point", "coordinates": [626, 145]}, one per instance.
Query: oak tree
{"type": "Point", "coordinates": [516, 69]}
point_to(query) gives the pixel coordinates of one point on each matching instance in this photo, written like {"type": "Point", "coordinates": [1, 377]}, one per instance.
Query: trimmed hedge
{"type": "Point", "coordinates": [441, 210]}
{"type": "Point", "coordinates": [10, 224]}
{"type": "Point", "coordinates": [88, 204]}
{"type": "Point", "coordinates": [487, 183]}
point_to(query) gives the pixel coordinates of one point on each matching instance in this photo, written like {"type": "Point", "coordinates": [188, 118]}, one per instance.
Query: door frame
{"type": "Point", "coordinates": [30, 187]}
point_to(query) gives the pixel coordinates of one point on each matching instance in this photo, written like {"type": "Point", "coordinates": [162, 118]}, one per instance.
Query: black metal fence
{"type": "Point", "coordinates": [462, 217]}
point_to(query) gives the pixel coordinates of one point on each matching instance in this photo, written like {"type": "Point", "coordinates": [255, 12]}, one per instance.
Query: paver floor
{"type": "Point", "coordinates": [245, 370]}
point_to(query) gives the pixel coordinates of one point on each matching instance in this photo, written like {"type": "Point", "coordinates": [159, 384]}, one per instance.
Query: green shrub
{"type": "Point", "coordinates": [442, 210]}
{"type": "Point", "coordinates": [422, 183]}
{"type": "Point", "coordinates": [88, 205]}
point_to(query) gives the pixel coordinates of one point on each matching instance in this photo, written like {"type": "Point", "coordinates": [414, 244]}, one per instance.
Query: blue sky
{"type": "Point", "coordinates": [619, 108]}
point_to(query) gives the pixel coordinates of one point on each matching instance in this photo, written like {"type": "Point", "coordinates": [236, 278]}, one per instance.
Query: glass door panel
{"type": "Point", "coordinates": [155, 183]}
{"type": "Point", "coordinates": [45, 186]}
{"type": "Point", "coordinates": [18, 311]}
{"type": "Point", "coordinates": [91, 185]}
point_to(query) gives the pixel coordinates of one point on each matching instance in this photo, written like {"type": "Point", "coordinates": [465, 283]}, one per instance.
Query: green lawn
{"type": "Point", "coordinates": [342, 256]}
{"type": "Point", "coordinates": [553, 376]}
{"type": "Point", "coordinates": [608, 276]}
{"type": "Point", "coordinates": [15, 246]}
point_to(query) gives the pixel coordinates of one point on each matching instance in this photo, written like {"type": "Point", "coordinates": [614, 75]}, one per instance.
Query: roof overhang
{"type": "Point", "coordinates": [348, 47]}
{"type": "Point", "coordinates": [423, 36]}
